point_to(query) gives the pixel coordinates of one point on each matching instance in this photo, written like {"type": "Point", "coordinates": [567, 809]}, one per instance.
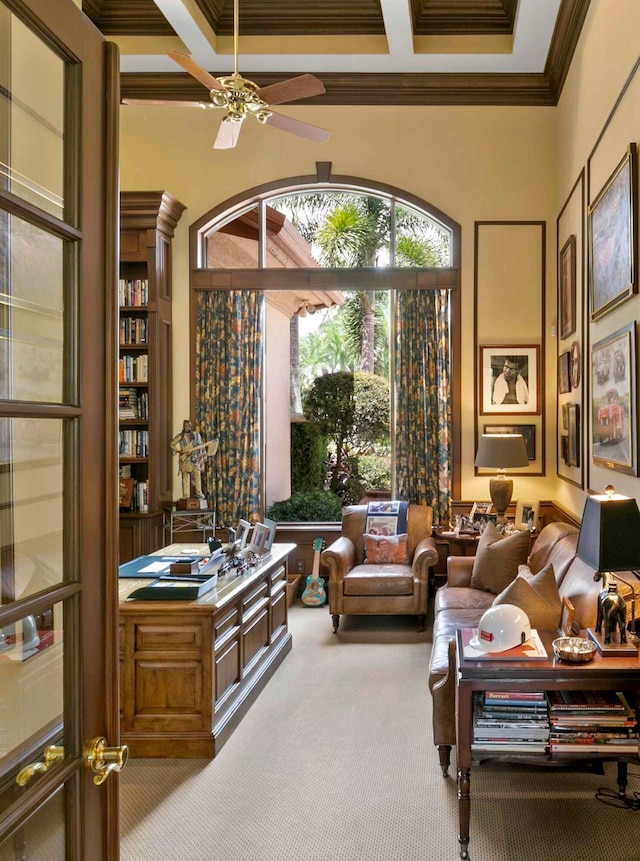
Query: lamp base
{"type": "Point", "coordinates": [615, 649]}
{"type": "Point", "coordinates": [500, 491]}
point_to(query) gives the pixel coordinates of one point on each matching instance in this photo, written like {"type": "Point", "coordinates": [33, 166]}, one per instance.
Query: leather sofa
{"type": "Point", "coordinates": [458, 605]}
{"type": "Point", "coordinates": [384, 588]}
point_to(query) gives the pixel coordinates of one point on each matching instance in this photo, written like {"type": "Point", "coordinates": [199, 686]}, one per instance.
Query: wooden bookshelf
{"type": "Point", "coordinates": [147, 224]}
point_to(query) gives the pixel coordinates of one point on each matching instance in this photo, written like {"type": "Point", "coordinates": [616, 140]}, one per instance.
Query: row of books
{"type": "Point", "coordinates": [133, 293]}
{"type": "Point", "coordinates": [133, 369]}
{"type": "Point", "coordinates": [133, 330]}
{"type": "Point", "coordinates": [133, 405]}
{"type": "Point", "coordinates": [556, 722]}
{"type": "Point", "coordinates": [510, 722]}
{"type": "Point", "coordinates": [591, 721]}
{"type": "Point", "coordinates": [134, 443]}
{"type": "Point", "coordinates": [138, 499]}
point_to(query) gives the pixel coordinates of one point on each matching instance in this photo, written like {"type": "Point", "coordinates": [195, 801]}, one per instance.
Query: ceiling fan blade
{"type": "Point", "coordinates": [227, 136]}
{"type": "Point", "coordinates": [297, 127]}
{"type": "Point", "coordinates": [294, 88]}
{"type": "Point", "coordinates": [166, 102]}
{"type": "Point", "coordinates": [197, 71]}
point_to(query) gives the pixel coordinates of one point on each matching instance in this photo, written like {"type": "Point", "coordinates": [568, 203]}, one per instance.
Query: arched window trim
{"type": "Point", "coordinates": [203, 278]}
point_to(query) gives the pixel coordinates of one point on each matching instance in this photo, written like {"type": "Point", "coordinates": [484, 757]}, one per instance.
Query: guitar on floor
{"type": "Point", "coordinates": [314, 594]}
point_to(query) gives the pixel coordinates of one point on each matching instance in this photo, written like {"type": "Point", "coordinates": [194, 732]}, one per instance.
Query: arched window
{"type": "Point", "coordinates": [307, 246]}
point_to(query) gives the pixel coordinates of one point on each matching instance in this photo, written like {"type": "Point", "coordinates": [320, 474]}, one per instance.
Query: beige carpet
{"type": "Point", "coordinates": [335, 762]}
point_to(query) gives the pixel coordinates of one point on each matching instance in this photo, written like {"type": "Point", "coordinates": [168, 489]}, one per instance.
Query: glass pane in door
{"type": "Point", "coordinates": [31, 506]}
{"type": "Point", "coordinates": [32, 314]}
{"type": "Point", "coordinates": [32, 111]}
{"type": "Point", "coordinates": [42, 838]}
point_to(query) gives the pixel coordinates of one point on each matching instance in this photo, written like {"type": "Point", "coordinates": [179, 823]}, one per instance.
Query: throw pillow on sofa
{"type": "Point", "coordinates": [497, 559]}
{"type": "Point", "coordinates": [538, 596]}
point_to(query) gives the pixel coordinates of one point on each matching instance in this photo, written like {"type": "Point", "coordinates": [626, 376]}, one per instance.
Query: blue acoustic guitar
{"type": "Point", "coordinates": [314, 594]}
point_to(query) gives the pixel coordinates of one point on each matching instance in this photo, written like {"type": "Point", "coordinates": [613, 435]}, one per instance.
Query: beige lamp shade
{"type": "Point", "coordinates": [500, 452]}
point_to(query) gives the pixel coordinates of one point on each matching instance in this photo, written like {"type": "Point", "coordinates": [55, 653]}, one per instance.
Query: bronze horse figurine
{"type": "Point", "coordinates": [612, 610]}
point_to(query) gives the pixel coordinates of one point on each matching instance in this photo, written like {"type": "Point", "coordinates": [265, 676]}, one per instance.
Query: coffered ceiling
{"type": "Point", "coordinates": [368, 52]}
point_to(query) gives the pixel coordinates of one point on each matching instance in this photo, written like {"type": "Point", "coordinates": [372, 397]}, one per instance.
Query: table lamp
{"type": "Point", "coordinates": [609, 541]}
{"type": "Point", "coordinates": [501, 451]}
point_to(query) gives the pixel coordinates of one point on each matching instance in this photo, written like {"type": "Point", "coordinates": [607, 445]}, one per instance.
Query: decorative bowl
{"type": "Point", "coordinates": [577, 650]}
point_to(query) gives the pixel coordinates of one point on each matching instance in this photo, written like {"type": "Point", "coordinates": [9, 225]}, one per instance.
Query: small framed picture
{"type": "Point", "coordinates": [567, 287]}
{"type": "Point", "coordinates": [573, 441]}
{"type": "Point", "coordinates": [242, 533]}
{"type": "Point", "coordinates": [271, 526]}
{"type": "Point", "coordinates": [564, 372]}
{"type": "Point", "coordinates": [564, 447]}
{"type": "Point", "coordinates": [576, 364]}
{"type": "Point", "coordinates": [259, 538]}
{"type": "Point", "coordinates": [566, 619]}
{"type": "Point", "coordinates": [565, 416]}
{"type": "Point", "coordinates": [527, 514]}
{"type": "Point", "coordinates": [480, 508]}
{"type": "Point", "coordinates": [509, 379]}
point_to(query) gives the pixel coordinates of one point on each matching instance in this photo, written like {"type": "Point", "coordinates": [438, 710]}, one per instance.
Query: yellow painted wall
{"type": "Point", "coordinates": [474, 163]}
{"type": "Point", "coordinates": [605, 58]}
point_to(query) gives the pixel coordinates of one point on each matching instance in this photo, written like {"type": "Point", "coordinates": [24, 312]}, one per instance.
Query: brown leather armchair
{"type": "Point", "coordinates": [381, 588]}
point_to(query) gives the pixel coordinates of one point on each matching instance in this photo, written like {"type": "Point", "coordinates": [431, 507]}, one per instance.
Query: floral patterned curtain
{"type": "Point", "coordinates": [228, 390]}
{"type": "Point", "coordinates": [423, 408]}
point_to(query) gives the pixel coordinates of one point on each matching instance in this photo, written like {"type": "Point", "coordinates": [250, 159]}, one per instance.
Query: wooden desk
{"type": "Point", "coordinates": [616, 674]}
{"type": "Point", "coordinates": [189, 670]}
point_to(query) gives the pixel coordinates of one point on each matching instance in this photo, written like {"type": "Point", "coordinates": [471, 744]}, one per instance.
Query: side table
{"type": "Point", "coordinates": [178, 520]}
{"type": "Point", "coordinates": [612, 674]}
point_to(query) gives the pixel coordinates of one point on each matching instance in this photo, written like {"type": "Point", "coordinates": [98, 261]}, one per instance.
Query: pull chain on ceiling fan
{"type": "Point", "coordinates": [241, 97]}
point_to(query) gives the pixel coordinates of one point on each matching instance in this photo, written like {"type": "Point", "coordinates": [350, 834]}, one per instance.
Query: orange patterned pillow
{"type": "Point", "coordinates": [385, 548]}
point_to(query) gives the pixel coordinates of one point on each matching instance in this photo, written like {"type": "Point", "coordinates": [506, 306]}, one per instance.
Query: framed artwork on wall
{"type": "Point", "coordinates": [613, 401]}
{"type": "Point", "coordinates": [612, 238]}
{"type": "Point", "coordinates": [567, 287]}
{"type": "Point", "coordinates": [509, 379]}
{"type": "Point", "coordinates": [573, 441]}
{"type": "Point", "coordinates": [528, 433]}
{"type": "Point", "coordinates": [576, 364]}
{"type": "Point", "coordinates": [564, 372]}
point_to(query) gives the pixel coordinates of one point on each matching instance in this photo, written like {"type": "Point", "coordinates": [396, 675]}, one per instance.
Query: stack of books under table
{"type": "Point", "coordinates": [510, 722]}
{"type": "Point", "coordinates": [591, 722]}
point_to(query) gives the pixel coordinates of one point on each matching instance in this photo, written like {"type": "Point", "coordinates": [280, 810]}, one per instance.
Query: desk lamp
{"type": "Point", "coordinates": [501, 451]}
{"type": "Point", "coordinates": [609, 541]}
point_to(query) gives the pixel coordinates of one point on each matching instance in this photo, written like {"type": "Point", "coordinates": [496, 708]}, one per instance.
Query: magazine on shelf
{"type": "Point", "coordinates": [531, 650]}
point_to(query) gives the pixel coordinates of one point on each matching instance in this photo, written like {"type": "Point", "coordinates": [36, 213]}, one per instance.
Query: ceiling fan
{"type": "Point", "coordinates": [242, 98]}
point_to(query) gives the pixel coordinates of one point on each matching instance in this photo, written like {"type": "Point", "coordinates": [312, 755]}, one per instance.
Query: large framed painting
{"type": "Point", "coordinates": [612, 238]}
{"type": "Point", "coordinates": [567, 287]}
{"type": "Point", "coordinates": [509, 379]}
{"type": "Point", "coordinates": [613, 404]}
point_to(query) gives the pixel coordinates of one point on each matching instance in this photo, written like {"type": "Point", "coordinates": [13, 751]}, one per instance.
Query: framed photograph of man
{"type": "Point", "coordinates": [509, 379]}
{"type": "Point", "coordinates": [611, 224]}
{"type": "Point", "coordinates": [613, 401]}
{"type": "Point", "coordinates": [567, 287]}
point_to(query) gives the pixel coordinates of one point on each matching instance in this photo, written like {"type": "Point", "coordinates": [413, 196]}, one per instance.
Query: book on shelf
{"type": "Point", "coordinates": [591, 701]}
{"type": "Point", "coordinates": [533, 747]}
{"type": "Point", "coordinates": [610, 748]}
{"type": "Point", "coordinates": [531, 650]}
{"type": "Point", "coordinates": [510, 696]}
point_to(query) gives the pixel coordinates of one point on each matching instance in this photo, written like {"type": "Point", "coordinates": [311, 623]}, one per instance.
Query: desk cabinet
{"type": "Point", "coordinates": [189, 670]}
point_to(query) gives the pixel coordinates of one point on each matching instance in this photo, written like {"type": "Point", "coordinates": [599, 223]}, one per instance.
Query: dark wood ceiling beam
{"type": "Point", "coordinates": [463, 17]}
{"type": "Point", "coordinates": [367, 89]}
{"type": "Point", "coordinates": [563, 43]}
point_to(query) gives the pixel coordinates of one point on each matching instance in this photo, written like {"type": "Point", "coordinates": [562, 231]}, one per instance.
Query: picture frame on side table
{"type": "Point", "coordinates": [566, 618]}
{"type": "Point", "coordinates": [527, 511]}
{"type": "Point", "coordinates": [509, 379]}
{"type": "Point", "coordinates": [567, 287]}
{"type": "Point", "coordinates": [612, 235]}
{"type": "Point", "coordinates": [271, 526]}
{"type": "Point", "coordinates": [613, 401]}
{"type": "Point", "coordinates": [527, 432]}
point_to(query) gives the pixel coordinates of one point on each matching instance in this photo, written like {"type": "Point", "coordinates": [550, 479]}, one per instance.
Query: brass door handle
{"type": "Point", "coordinates": [102, 760]}
{"type": "Point", "coordinates": [53, 753]}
